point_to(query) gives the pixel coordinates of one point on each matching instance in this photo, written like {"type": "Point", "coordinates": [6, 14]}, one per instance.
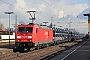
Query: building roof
{"type": "Point", "coordinates": [1, 29]}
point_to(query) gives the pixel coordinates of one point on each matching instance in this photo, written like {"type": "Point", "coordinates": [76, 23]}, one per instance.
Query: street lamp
{"type": "Point", "coordinates": [51, 22]}
{"type": "Point", "coordinates": [9, 24]}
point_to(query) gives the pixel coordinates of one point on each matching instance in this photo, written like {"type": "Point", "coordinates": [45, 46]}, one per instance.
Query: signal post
{"type": "Point", "coordinates": [88, 14]}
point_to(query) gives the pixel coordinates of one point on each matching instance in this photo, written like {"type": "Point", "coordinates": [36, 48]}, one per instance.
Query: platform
{"type": "Point", "coordinates": [4, 49]}
{"type": "Point", "coordinates": [79, 52]}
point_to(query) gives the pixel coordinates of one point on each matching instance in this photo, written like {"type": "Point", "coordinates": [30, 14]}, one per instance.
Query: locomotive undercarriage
{"type": "Point", "coordinates": [29, 46]}
{"type": "Point", "coordinates": [21, 46]}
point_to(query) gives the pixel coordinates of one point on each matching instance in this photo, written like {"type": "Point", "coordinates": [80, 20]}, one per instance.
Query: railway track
{"type": "Point", "coordinates": [38, 54]}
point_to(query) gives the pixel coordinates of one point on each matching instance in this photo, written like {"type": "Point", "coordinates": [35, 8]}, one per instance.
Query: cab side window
{"type": "Point", "coordinates": [36, 30]}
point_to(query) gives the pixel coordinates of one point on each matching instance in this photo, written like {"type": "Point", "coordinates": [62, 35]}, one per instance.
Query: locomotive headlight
{"type": "Point", "coordinates": [18, 40]}
{"type": "Point", "coordinates": [30, 40]}
{"type": "Point", "coordinates": [18, 36]}
{"type": "Point", "coordinates": [29, 36]}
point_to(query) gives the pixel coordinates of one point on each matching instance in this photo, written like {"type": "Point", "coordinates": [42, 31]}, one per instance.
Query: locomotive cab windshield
{"type": "Point", "coordinates": [25, 29]}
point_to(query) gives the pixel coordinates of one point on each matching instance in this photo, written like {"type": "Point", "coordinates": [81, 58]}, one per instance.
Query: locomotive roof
{"type": "Point", "coordinates": [28, 25]}
{"type": "Point", "coordinates": [44, 26]}
{"type": "Point", "coordinates": [32, 24]}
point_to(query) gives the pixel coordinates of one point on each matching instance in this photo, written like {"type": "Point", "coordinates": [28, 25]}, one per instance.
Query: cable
{"type": "Point", "coordinates": [43, 15]}
{"type": "Point", "coordinates": [11, 4]}
{"type": "Point", "coordinates": [50, 5]}
{"type": "Point", "coordinates": [20, 7]}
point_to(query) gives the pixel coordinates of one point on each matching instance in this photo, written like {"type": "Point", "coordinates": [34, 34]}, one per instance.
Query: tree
{"type": "Point", "coordinates": [1, 25]}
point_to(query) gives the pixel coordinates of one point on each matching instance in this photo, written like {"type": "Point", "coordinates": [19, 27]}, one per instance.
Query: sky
{"type": "Point", "coordinates": [65, 13]}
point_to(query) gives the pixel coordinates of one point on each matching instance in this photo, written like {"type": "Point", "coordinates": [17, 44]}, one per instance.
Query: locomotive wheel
{"type": "Point", "coordinates": [15, 50]}
{"type": "Point", "coordinates": [57, 43]}
{"type": "Point", "coordinates": [47, 45]}
{"type": "Point", "coordinates": [53, 44]}
{"type": "Point", "coordinates": [28, 49]}
{"type": "Point", "coordinates": [21, 50]}
{"type": "Point", "coordinates": [42, 46]}
{"type": "Point", "coordinates": [37, 47]}
{"type": "Point", "coordinates": [72, 39]}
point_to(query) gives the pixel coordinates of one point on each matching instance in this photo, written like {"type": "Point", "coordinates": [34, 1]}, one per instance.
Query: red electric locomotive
{"type": "Point", "coordinates": [31, 35]}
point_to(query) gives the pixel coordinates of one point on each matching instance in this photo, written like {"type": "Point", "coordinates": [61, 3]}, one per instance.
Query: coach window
{"type": "Point", "coordinates": [63, 35]}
